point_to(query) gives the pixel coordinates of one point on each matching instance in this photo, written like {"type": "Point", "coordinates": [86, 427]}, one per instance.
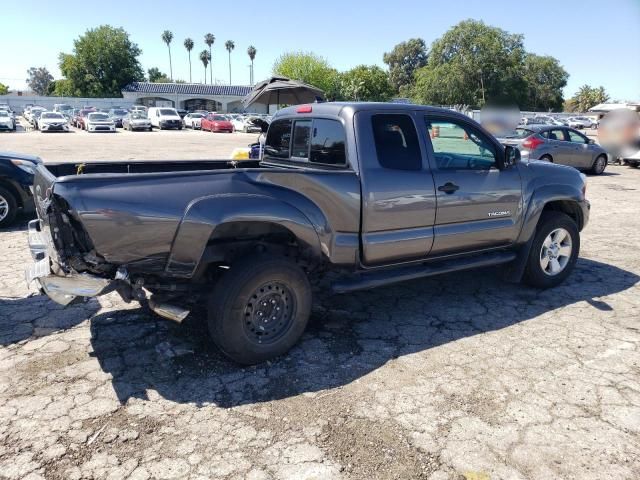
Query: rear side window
{"type": "Point", "coordinates": [278, 140]}
{"type": "Point", "coordinates": [301, 138]}
{"type": "Point", "coordinates": [396, 142]}
{"type": "Point", "coordinates": [328, 142]}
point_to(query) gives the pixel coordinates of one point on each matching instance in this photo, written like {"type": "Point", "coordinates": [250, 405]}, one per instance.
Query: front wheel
{"type": "Point", "coordinates": [259, 308]}
{"type": "Point", "coordinates": [599, 165]}
{"type": "Point", "coordinates": [554, 251]}
{"type": "Point", "coordinates": [8, 207]}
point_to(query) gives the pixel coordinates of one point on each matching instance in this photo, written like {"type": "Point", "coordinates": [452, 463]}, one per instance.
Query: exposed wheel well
{"type": "Point", "coordinates": [572, 209]}
{"type": "Point", "coordinates": [16, 195]}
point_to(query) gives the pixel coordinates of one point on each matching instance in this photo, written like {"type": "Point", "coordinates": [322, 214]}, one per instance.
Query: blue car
{"type": "Point", "coordinates": [16, 179]}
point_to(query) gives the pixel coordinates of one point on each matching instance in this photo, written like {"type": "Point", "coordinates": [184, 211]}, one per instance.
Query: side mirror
{"type": "Point", "coordinates": [592, 141]}
{"type": "Point", "coordinates": [509, 159]}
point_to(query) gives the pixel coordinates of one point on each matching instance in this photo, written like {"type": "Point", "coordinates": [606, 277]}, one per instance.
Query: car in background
{"type": "Point", "coordinates": [193, 120]}
{"type": "Point", "coordinates": [79, 121]}
{"type": "Point", "coordinates": [63, 108]}
{"type": "Point", "coordinates": [99, 122]}
{"type": "Point", "coordinates": [203, 112]}
{"type": "Point", "coordinates": [117, 114]}
{"type": "Point", "coordinates": [181, 112]}
{"type": "Point", "coordinates": [16, 178]}
{"type": "Point", "coordinates": [33, 111]}
{"type": "Point", "coordinates": [165, 117]}
{"type": "Point", "coordinates": [53, 122]}
{"type": "Point", "coordinates": [7, 122]}
{"type": "Point", "coordinates": [35, 117]}
{"type": "Point", "coordinates": [558, 144]}
{"type": "Point", "coordinates": [137, 120]}
{"type": "Point", "coordinates": [579, 122]}
{"type": "Point", "coordinates": [139, 108]}
{"type": "Point", "coordinates": [214, 122]}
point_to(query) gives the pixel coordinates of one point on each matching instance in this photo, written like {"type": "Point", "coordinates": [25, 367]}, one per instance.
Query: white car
{"type": "Point", "coordinates": [99, 122]}
{"type": "Point", "coordinates": [579, 122]}
{"type": "Point", "coordinates": [193, 120]}
{"type": "Point", "coordinates": [6, 121]}
{"type": "Point", "coordinates": [53, 122]}
{"type": "Point", "coordinates": [165, 117]}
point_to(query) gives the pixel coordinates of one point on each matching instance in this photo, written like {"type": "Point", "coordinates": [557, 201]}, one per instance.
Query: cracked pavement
{"type": "Point", "coordinates": [459, 376]}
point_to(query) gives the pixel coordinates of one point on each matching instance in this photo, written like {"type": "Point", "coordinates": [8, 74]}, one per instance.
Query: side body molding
{"type": "Point", "coordinates": [205, 214]}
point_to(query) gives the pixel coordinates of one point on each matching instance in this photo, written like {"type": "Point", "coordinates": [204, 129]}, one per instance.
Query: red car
{"type": "Point", "coordinates": [216, 123]}
{"type": "Point", "coordinates": [81, 116]}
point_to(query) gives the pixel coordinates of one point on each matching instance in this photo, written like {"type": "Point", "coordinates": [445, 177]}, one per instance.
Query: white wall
{"type": "Point", "coordinates": [17, 103]}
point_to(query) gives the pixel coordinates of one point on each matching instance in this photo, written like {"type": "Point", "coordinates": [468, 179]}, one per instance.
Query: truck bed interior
{"type": "Point", "coordinates": [145, 166]}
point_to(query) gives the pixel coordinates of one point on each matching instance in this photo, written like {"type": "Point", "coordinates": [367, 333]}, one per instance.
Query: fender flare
{"type": "Point", "coordinates": [204, 215]}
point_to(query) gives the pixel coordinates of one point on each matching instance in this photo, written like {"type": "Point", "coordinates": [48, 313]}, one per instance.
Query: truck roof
{"type": "Point", "coordinates": [336, 108]}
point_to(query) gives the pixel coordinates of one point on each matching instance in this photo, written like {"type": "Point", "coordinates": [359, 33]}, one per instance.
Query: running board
{"type": "Point", "coordinates": [377, 278]}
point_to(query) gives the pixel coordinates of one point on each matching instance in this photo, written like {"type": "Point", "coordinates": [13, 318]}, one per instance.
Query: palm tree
{"type": "Point", "coordinates": [204, 58]}
{"type": "Point", "coordinates": [251, 51]}
{"type": "Point", "coordinates": [167, 36]}
{"type": "Point", "coordinates": [188, 44]}
{"type": "Point", "coordinates": [229, 45]}
{"type": "Point", "coordinates": [209, 38]}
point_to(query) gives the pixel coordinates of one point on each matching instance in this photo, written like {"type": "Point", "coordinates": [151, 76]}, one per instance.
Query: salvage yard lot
{"type": "Point", "coordinates": [460, 375]}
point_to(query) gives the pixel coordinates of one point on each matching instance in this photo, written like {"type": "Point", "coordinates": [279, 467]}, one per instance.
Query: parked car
{"type": "Point", "coordinates": [136, 121]}
{"type": "Point", "coordinates": [99, 122]}
{"type": "Point", "coordinates": [562, 145]}
{"type": "Point", "coordinates": [139, 108]}
{"type": "Point", "coordinates": [35, 117]}
{"type": "Point", "coordinates": [53, 122]}
{"type": "Point", "coordinates": [117, 114]}
{"type": "Point", "coordinates": [579, 122]}
{"type": "Point", "coordinates": [7, 122]}
{"type": "Point", "coordinates": [164, 117]}
{"type": "Point", "coordinates": [80, 120]}
{"type": "Point", "coordinates": [16, 179]}
{"type": "Point", "coordinates": [63, 108]}
{"type": "Point", "coordinates": [181, 112]}
{"type": "Point", "coordinates": [214, 122]}
{"type": "Point", "coordinates": [192, 120]}
{"type": "Point", "coordinates": [360, 195]}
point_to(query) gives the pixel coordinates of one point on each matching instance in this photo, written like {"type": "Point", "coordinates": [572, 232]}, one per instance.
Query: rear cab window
{"type": "Point", "coordinates": [317, 141]}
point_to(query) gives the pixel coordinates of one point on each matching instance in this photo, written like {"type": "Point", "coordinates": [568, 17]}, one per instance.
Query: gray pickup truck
{"type": "Point", "coordinates": [371, 194]}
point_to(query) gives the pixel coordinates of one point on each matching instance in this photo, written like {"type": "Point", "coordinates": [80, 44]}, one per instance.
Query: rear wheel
{"type": "Point", "coordinates": [554, 251]}
{"type": "Point", "coordinates": [8, 207]}
{"type": "Point", "coordinates": [547, 158]}
{"type": "Point", "coordinates": [259, 308]}
{"type": "Point", "coordinates": [599, 165]}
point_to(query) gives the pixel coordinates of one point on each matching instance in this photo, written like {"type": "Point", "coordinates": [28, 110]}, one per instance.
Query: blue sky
{"type": "Point", "coordinates": [597, 42]}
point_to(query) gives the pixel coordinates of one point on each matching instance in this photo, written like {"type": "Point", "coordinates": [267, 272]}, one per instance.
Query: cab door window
{"type": "Point", "coordinates": [459, 146]}
{"type": "Point", "coordinates": [575, 137]}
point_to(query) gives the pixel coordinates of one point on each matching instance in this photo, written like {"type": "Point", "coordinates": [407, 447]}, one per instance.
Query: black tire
{"type": "Point", "coordinates": [12, 207]}
{"type": "Point", "coordinates": [634, 164]}
{"type": "Point", "coordinates": [599, 165]}
{"type": "Point", "coordinates": [235, 322]}
{"type": "Point", "coordinates": [534, 273]}
{"type": "Point", "coordinates": [547, 158]}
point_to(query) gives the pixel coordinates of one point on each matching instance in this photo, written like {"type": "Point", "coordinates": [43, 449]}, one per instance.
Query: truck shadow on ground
{"type": "Point", "coordinates": [348, 336]}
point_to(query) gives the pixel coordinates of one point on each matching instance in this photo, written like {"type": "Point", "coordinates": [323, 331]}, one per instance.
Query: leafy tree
{"type": "Point", "coordinates": [167, 37]}
{"type": "Point", "coordinates": [545, 79]}
{"type": "Point", "coordinates": [4, 89]}
{"type": "Point", "coordinates": [404, 60]}
{"type": "Point", "coordinates": [367, 83]}
{"type": "Point", "coordinates": [587, 97]}
{"type": "Point", "coordinates": [103, 62]}
{"type": "Point", "coordinates": [308, 68]}
{"type": "Point", "coordinates": [251, 51]}
{"type": "Point", "coordinates": [39, 80]}
{"type": "Point", "coordinates": [188, 44]}
{"type": "Point", "coordinates": [156, 76]}
{"type": "Point", "coordinates": [209, 39]}
{"type": "Point", "coordinates": [205, 56]}
{"type": "Point", "coordinates": [229, 45]}
{"type": "Point", "coordinates": [474, 64]}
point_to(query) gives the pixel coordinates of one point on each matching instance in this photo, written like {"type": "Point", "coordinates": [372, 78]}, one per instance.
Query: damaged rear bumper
{"type": "Point", "coordinates": [60, 287]}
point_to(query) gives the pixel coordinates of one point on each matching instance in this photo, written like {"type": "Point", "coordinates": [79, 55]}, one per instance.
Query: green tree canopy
{"type": "Point", "coordinates": [104, 60]}
{"type": "Point", "coordinates": [587, 97]}
{"type": "Point", "coordinates": [545, 79]}
{"type": "Point", "coordinates": [366, 83]}
{"type": "Point", "coordinates": [39, 80]}
{"type": "Point", "coordinates": [308, 68]}
{"type": "Point", "coordinates": [3, 89]}
{"type": "Point", "coordinates": [403, 61]}
{"type": "Point", "coordinates": [474, 64]}
{"type": "Point", "coordinates": [156, 76]}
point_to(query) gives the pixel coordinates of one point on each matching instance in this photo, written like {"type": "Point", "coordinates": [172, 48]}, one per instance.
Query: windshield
{"type": "Point", "coordinates": [219, 118]}
{"type": "Point", "coordinates": [138, 116]}
{"type": "Point", "coordinates": [168, 111]}
{"type": "Point", "coordinates": [3, 113]}
{"type": "Point", "coordinates": [196, 115]}
{"type": "Point", "coordinates": [98, 116]}
{"type": "Point", "coordinates": [519, 133]}
{"type": "Point", "coordinates": [120, 112]}
{"type": "Point", "coordinates": [52, 115]}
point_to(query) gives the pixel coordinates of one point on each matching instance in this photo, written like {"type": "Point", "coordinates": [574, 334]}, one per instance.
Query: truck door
{"type": "Point", "coordinates": [479, 206]}
{"type": "Point", "coordinates": [398, 197]}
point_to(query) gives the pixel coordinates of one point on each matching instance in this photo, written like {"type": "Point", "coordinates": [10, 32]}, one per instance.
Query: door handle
{"type": "Point", "coordinates": [448, 188]}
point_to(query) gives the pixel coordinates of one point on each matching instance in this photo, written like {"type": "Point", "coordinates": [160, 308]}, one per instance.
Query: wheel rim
{"type": "Point", "coordinates": [600, 164]}
{"type": "Point", "coordinates": [268, 314]}
{"type": "Point", "coordinates": [556, 252]}
{"type": "Point", "coordinates": [4, 208]}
